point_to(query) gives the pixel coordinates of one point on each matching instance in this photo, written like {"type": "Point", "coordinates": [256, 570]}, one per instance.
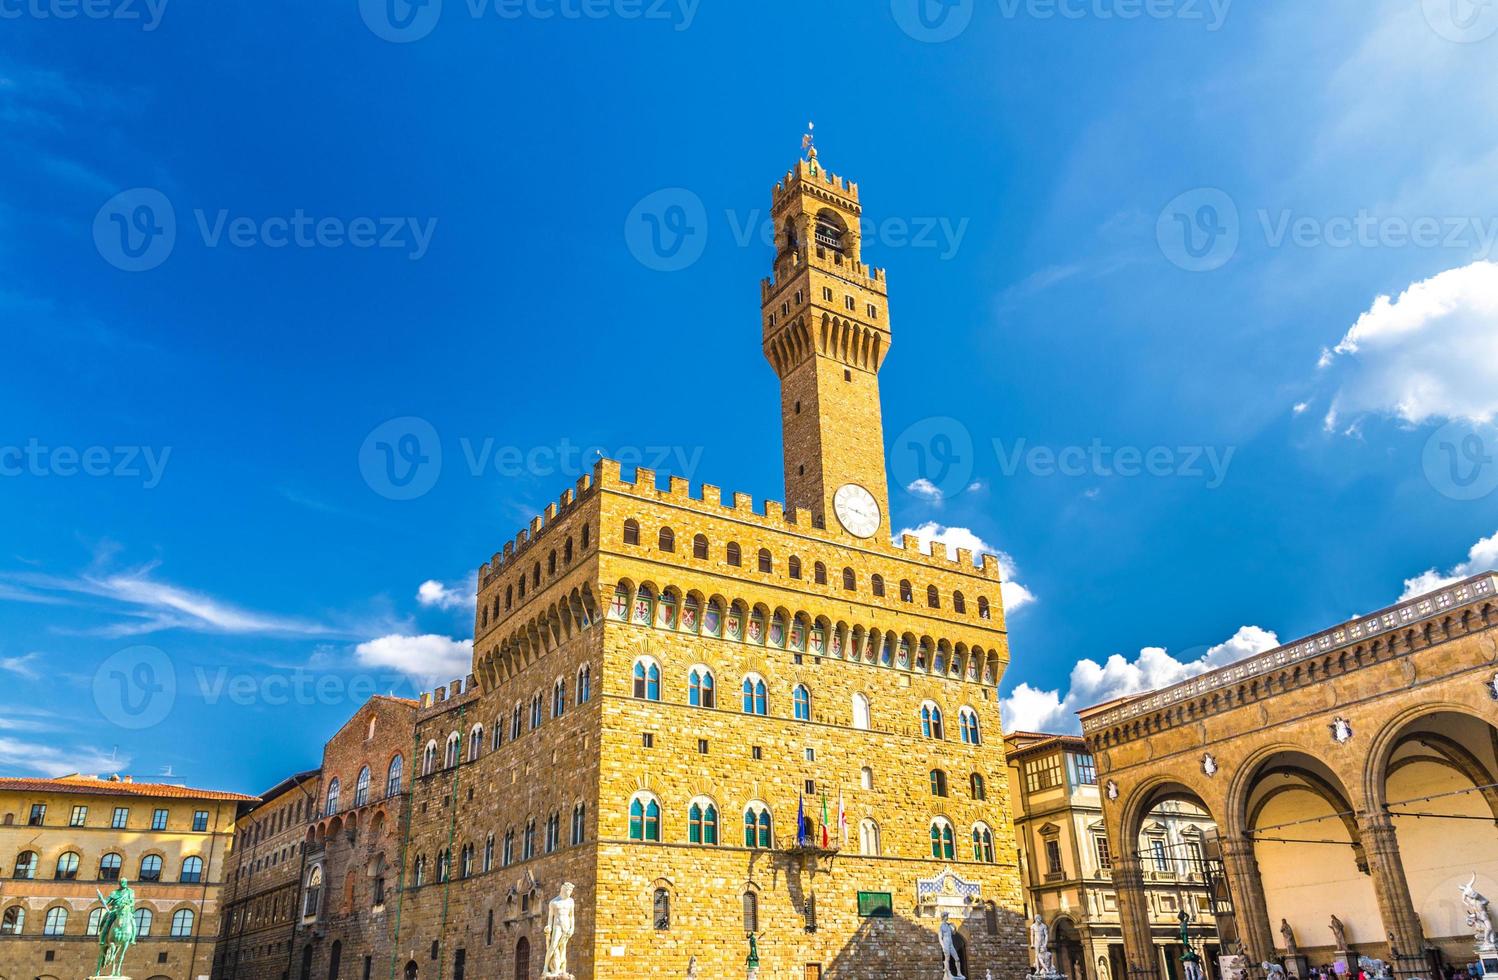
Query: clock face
{"type": "Point", "coordinates": [857, 510]}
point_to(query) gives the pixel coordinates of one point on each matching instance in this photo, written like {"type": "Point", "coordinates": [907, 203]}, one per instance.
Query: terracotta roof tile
{"type": "Point", "coordinates": [92, 785]}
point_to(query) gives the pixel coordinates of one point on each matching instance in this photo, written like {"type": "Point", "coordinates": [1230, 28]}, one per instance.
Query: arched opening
{"type": "Point", "coordinates": [523, 959]}
{"type": "Point", "coordinates": [1307, 847]}
{"type": "Point", "coordinates": [1435, 775]}
{"type": "Point", "coordinates": [1071, 960]}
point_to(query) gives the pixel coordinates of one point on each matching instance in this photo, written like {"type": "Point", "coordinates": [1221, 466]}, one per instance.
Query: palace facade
{"type": "Point", "coordinates": [716, 720]}
{"type": "Point", "coordinates": [68, 839]}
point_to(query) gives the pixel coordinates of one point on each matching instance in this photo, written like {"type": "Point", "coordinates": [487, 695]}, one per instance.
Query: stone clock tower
{"type": "Point", "coordinates": [826, 333]}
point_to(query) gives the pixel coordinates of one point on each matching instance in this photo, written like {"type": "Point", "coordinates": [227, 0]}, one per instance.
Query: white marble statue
{"type": "Point", "coordinates": [1479, 916]}
{"type": "Point", "coordinates": [692, 968]}
{"type": "Point", "coordinates": [1040, 945]}
{"type": "Point", "coordinates": [951, 963]}
{"type": "Point", "coordinates": [561, 922]}
{"type": "Point", "coordinates": [1273, 971]}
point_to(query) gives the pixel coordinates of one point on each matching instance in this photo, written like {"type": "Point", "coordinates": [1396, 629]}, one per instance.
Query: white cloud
{"type": "Point", "coordinates": [434, 594]}
{"type": "Point", "coordinates": [1015, 595]}
{"type": "Point", "coordinates": [1430, 354]}
{"type": "Point", "coordinates": [21, 666]}
{"type": "Point", "coordinates": [1034, 710]}
{"type": "Point", "coordinates": [428, 660]}
{"type": "Point", "coordinates": [1481, 557]}
{"type": "Point", "coordinates": [924, 489]}
{"type": "Point", "coordinates": [47, 758]}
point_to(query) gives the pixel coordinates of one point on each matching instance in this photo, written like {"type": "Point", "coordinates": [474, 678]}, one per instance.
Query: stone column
{"type": "Point", "coordinates": [1246, 887]}
{"type": "Point", "coordinates": [1134, 915]}
{"type": "Point", "coordinates": [1395, 907]}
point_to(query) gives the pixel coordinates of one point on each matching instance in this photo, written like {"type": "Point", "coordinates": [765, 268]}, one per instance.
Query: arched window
{"type": "Point", "coordinates": [579, 823]}
{"type": "Point", "coordinates": [850, 581]}
{"type": "Point", "coordinates": [13, 922]}
{"type": "Point", "coordinates": [585, 536]}
{"type": "Point", "coordinates": [584, 685]}
{"type": "Point", "coordinates": [700, 690]}
{"type": "Point", "coordinates": [109, 867]}
{"type": "Point", "coordinates": [418, 874]}
{"type": "Point", "coordinates": [67, 866]}
{"type": "Point", "coordinates": [866, 778]}
{"type": "Point", "coordinates": [429, 759]}
{"type": "Point", "coordinates": [551, 563]}
{"type": "Point", "coordinates": [766, 563]}
{"type": "Point", "coordinates": [906, 594]}
{"type": "Point", "coordinates": [143, 919]}
{"type": "Point", "coordinates": [938, 782]}
{"type": "Point", "coordinates": [536, 574]}
{"type": "Point", "coordinates": [95, 921]}
{"type": "Point", "coordinates": [536, 710]}
{"type": "Point", "coordinates": [967, 725]}
{"type": "Point", "coordinates": [509, 598]}
{"type": "Point", "coordinates": [819, 573]}
{"type": "Point", "coordinates": [517, 721]}
{"type": "Point", "coordinates": [959, 604]}
{"type": "Point", "coordinates": [943, 844]}
{"type": "Point", "coordinates": [699, 546]}
{"type": "Point", "coordinates": [702, 822]}
{"type": "Point", "coordinates": [192, 871]}
{"type": "Point", "coordinates": [861, 714]}
{"type": "Point", "coordinates": [644, 818]}
{"type": "Point", "coordinates": [181, 923]}
{"type": "Point", "coordinates": [396, 772]}
{"type": "Point", "coordinates": [933, 597]}
{"type": "Point", "coordinates": [631, 531]}
{"type": "Point", "coordinates": [647, 679]}
{"type": "Point", "coordinates": [57, 922]}
{"type": "Point", "coordinates": [931, 726]}
{"type": "Point", "coordinates": [508, 857]}
{"type": "Point", "coordinates": [489, 852]}
{"type": "Point", "coordinates": [661, 907]}
{"type": "Point", "coordinates": [444, 866]}
{"type": "Point", "coordinates": [731, 554]}
{"type": "Point", "coordinates": [454, 752]}
{"type": "Point", "coordinates": [983, 611]}
{"type": "Point", "coordinates": [801, 701]}
{"type": "Point", "coordinates": [553, 832]}
{"type": "Point", "coordinates": [982, 843]}
{"type": "Point", "coordinates": [868, 838]}
{"type": "Point", "coordinates": [751, 912]}
{"type": "Point", "coordinates": [755, 699]}
{"type": "Point", "coordinates": [793, 566]}
{"type": "Point", "coordinates": [313, 902]}
{"type": "Point", "coordinates": [977, 786]}
{"type": "Point", "coordinates": [667, 539]}
{"type": "Point", "coordinates": [361, 787]}
{"type": "Point", "coordinates": [559, 698]}
{"type": "Point", "coordinates": [150, 867]}
{"type": "Point", "coordinates": [757, 826]}
{"type": "Point", "coordinates": [567, 552]}
{"type": "Point", "coordinates": [332, 802]}
{"type": "Point", "coordinates": [876, 583]}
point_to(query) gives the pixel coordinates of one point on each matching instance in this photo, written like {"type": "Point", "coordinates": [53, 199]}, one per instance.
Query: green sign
{"type": "Point", "coordinates": [876, 905]}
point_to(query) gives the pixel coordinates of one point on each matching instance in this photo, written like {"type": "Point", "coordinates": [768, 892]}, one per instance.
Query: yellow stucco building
{"type": "Point", "coordinates": [64, 840]}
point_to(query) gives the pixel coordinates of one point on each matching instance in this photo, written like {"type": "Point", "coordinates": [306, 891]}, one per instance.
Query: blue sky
{"type": "Point", "coordinates": [237, 240]}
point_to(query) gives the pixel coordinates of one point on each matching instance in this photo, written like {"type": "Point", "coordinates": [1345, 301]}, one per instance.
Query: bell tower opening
{"type": "Point", "coordinates": [826, 331]}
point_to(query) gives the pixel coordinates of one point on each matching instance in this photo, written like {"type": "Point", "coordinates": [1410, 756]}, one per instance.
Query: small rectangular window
{"type": "Point", "coordinates": [756, 753]}
{"type": "Point", "coordinates": [158, 820]}
{"type": "Point", "coordinates": [850, 303]}
{"type": "Point", "coordinates": [827, 293]}
{"type": "Point", "coordinates": [38, 814]}
{"type": "Point", "coordinates": [79, 817]}
{"type": "Point", "coordinates": [811, 787]}
{"type": "Point", "coordinates": [702, 746]}
{"type": "Point", "coordinates": [121, 818]}
{"type": "Point", "coordinates": [200, 820]}
{"type": "Point", "coordinates": [1053, 855]}
{"type": "Point", "coordinates": [811, 754]}
{"type": "Point", "coordinates": [648, 740]}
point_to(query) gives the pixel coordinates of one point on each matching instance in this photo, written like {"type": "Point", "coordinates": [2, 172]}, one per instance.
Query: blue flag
{"type": "Point", "coordinates": [800, 820]}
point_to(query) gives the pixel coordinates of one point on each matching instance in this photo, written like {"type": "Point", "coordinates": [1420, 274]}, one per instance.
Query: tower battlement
{"type": "Point", "coordinates": [812, 172]}
{"type": "Point", "coordinates": [865, 276]}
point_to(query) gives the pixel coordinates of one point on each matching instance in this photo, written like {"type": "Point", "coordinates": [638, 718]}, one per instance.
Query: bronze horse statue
{"type": "Point", "coordinates": [116, 930]}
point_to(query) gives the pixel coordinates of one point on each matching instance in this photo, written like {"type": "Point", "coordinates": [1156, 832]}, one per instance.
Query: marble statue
{"type": "Point", "coordinates": [1288, 934]}
{"type": "Point", "coordinates": [561, 922]}
{"type": "Point", "coordinates": [1040, 945]}
{"type": "Point", "coordinates": [1375, 969]}
{"type": "Point", "coordinates": [116, 929]}
{"type": "Point", "coordinates": [1479, 917]}
{"type": "Point", "coordinates": [1273, 971]}
{"type": "Point", "coordinates": [951, 963]}
{"type": "Point", "coordinates": [692, 968]}
{"type": "Point", "coordinates": [1339, 933]}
